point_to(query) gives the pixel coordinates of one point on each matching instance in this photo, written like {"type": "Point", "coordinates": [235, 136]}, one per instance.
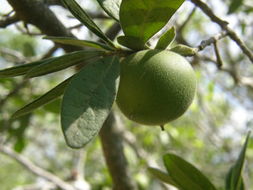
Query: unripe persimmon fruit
{"type": "Point", "coordinates": [156, 86]}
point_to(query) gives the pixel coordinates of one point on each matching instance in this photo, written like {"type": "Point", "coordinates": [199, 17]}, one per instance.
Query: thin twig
{"type": "Point", "coordinates": [224, 25]}
{"type": "Point", "coordinates": [35, 169]}
{"type": "Point", "coordinates": [211, 40]}
{"type": "Point", "coordinates": [8, 21]}
{"type": "Point", "coordinates": [218, 56]}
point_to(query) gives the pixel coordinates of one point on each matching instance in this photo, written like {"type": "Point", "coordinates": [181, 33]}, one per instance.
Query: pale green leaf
{"type": "Point", "coordinates": [84, 18]}
{"type": "Point", "coordinates": [166, 39]}
{"type": "Point", "coordinates": [184, 50]}
{"type": "Point", "coordinates": [234, 180]}
{"type": "Point", "coordinates": [51, 95]}
{"type": "Point", "coordinates": [142, 19]}
{"type": "Point", "coordinates": [88, 99]}
{"type": "Point", "coordinates": [185, 175]}
{"type": "Point", "coordinates": [21, 69]}
{"type": "Point", "coordinates": [63, 62]}
{"type": "Point", "coordinates": [111, 7]}
{"type": "Point", "coordinates": [162, 176]}
{"type": "Point", "coordinates": [77, 42]}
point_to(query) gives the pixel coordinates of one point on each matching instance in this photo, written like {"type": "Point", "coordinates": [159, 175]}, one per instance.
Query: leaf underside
{"type": "Point", "coordinates": [63, 62]}
{"type": "Point", "coordinates": [166, 39]}
{"type": "Point", "coordinates": [21, 69]}
{"type": "Point", "coordinates": [77, 42]}
{"type": "Point", "coordinates": [88, 99]}
{"type": "Point", "coordinates": [111, 7]}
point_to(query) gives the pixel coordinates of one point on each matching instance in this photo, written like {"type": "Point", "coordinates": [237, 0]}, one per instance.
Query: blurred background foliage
{"type": "Point", "coordinates": [209, 135]}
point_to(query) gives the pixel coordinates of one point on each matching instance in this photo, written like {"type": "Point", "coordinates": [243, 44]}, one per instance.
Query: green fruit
{"type": "Point", "coordinates": [156, 86]}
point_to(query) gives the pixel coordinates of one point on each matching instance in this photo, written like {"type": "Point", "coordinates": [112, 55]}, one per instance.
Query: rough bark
{"type": "Point", "coordinates": [114, 153]}
{"type": "Point", "coordinates": [35, 12]}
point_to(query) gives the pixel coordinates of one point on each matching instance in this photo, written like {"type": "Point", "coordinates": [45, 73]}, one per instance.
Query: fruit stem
{"type": "Point", "coordinates": [162, 127]}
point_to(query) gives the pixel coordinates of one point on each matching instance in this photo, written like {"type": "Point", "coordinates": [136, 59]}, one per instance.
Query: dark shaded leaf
{"type": "Point", "coordinates": [234, 6]}
{"type": "Point", "coordinates": [20, 145]}
{"type": "Point", "coordinates": [76, 42]}
{"type": "Point", "coordinates": [21, 69]}
{"type": "Point", "coordinates": [63, 62]}
{"type": "Point", "coordinates": [234, 180]}
{"type": "Point", "coordinates": [51, 95]}
{"type": "Point", "coordinates": [88, 99]}
{"type": "Point", "coordinates": [84, 18]}
{"type": "Point", "coordinates": [131, 42]}
{"type": "Point", "coordinates": [111, 7]}
{"type": "Point", "coordinates": [166, 39]}
{"type": "Point", "coordinates": [185, 175]}
{"type": "Point", "coordinates": [142, 19]}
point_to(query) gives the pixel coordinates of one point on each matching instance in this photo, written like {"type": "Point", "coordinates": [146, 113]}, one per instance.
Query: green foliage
{"type": "Point", "coordinates": [234, 6]}
{"type": "Point", "coordinates": [76, 42]}
{"type": "Point", "coordinates": [111, 7]}
{"type": "Point", "coordinates": [51, 95]}
{"type": "Point", "coordinates": [130, 42]}
{"type": "Point", "coordinates": [22, 69]}
{"type": "Point", "coordinates": [141, 20]}
{"type": "Point", "coordinates": [63, 62]}
{"type": "Point", "coordinates": [164, 177]}
{"type": "Point", "coordinates": [184, 50]}
{"type": "Point", "coordinates": [234, 179]}
{"type": "Point", "coordinates": [166, 39]}
{"type": "Point", "coordinates": [197, 136]}
{"type": "Point", "coordinates": [84, 18]}
{"type": "Point", "coordinates": [185, 175]}
{"type": "Point", "coordinates": [88, 99]}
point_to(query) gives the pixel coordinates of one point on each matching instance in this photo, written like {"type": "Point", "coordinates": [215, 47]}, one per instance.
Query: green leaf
{"type": "Point", "coordinates": [21, 69]}
{"type": "Point", "coordinates": [142, 19]}
{"type": "Point", "coordinates": [88, 99]}
{"type": "Point", "coordinates": [76, 42]}
{"type": "Point", "coordinates": [234, 6]}
{"type": "Point", "coordinates": [20, 144]}
{"type": "Point", "coordinates": [111, 7]}
{"type": "Point", "coordinates": [166, 39]}
{"type": "Point", "coordinates": [184, 50]}
{"type": "Point", "coordinates": [162, 176]}
{"type": "Point", "coordinates": [131, 42]}
{"type": "Point", "coordinates": [84, 18]}
{"type": "Point", "coordinates": [185, 175]}
{"type": "Point", "coordinates": [234, 180]}
{"type": "Point", "coordinates": [63, 62]}
{"type": "Point", "coordinates": [51, 95]}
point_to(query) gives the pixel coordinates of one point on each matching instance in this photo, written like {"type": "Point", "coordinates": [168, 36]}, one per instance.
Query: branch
{"type": "Point", "coordinates": [16, 56]}
{"type": "Point", "coordinates": [224, 25]}
{"type": "Point", "coordinates": [211, 40]}
{"type": "Point", "coordinates": [8, 21]}
{"type": "Point", "coordinates": [114, 154]}
{"type": "Point", "coordinates": [38, 14]}
{"type": "Point", "coordinates": [35, 169]}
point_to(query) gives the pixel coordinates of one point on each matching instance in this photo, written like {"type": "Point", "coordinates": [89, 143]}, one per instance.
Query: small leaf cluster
{"type": "Point", "coordinates": [185, 176]}
{"type": "Point", "coordinates": [89, 94]}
